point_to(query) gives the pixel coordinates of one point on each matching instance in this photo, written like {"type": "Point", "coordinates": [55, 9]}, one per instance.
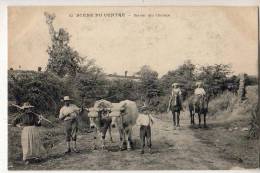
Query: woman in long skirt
{"type": "Point", "coordinates": [30, 138]}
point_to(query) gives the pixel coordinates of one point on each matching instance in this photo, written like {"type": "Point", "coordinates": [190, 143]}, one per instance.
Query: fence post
{"type": "Point", "coordinates": [242, 87]}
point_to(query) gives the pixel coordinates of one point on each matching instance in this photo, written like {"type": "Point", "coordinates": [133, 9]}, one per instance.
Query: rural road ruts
{"type": "Point", "coordinates": [172, 149]}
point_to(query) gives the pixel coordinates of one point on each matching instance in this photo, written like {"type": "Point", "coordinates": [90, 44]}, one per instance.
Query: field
{"type": "Point", "coordinates": [224, 145]}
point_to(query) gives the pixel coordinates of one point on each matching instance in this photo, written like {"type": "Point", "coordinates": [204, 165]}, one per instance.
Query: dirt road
{"type": "Point", "coordinates": [172, 149]}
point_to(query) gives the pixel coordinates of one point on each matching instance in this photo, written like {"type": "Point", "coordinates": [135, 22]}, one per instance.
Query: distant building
{"type": "Point", "coordinates": [108, 76]}
{"type": "Point", "coordinates": [116, 76]}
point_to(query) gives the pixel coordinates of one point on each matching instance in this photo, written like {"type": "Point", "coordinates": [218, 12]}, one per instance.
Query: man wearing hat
{"type": "Point", "coordinates": [31, 142]}
{"type": "Point", "coordinates": [199, 91]}
{"type": "Point", "coordinates": [176, 89]}
{"type": "Point", "coordinates": [145, 120]}
{"type": "Point", "coordinates": [69, 113]}
{"type": "Point", "coordinates": [175, 103]}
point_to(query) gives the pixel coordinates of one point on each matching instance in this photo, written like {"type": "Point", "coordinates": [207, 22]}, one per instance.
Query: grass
{"type": "Point", "coordinates": [230, 113]}
{"type": "Point", "coordinates": [227, 106]}
{"type": "Point", "coordinates": [226, 102]}
{"type": "Point", "coordinates": [50, 136]}
{"type": "Point", "coordinates": [232, 145]}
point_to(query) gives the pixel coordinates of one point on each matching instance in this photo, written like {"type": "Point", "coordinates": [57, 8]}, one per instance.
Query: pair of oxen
{"type": "Point", "coordinates": [106, 115]}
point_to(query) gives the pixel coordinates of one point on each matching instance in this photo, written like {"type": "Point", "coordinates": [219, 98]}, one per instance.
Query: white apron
{"type": "Point", "coordinates": [31, 143]}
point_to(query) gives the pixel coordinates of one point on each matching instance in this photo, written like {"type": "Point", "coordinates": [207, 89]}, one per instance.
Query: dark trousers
{"type": "Point", "coordinates": [145, 133]}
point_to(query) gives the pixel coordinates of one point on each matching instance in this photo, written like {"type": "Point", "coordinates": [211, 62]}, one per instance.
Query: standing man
{"type": "Point", "coordinates": [175, 103]}
{"type": "Point", "coordinates": [69, 113]}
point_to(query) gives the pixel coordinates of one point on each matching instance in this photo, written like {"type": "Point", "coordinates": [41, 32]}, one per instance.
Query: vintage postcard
{"type": "Point", "coordinates": [133, 88]}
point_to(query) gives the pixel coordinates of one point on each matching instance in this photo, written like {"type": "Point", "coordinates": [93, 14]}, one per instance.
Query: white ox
{"type": "Point", "coordinates": [100, 121]}
{"type": "Point", "coordinates": [124, 115]}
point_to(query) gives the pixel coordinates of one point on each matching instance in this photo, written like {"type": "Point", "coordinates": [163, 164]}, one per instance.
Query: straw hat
{"type": "Point", "coordinates": [175, 84]}
{"type": "Point", "coordinates": [199, 83]}
{"type": "Point", "coordinates": [67, 98]}
{"type": "Point", "coordinates": [27, 105]}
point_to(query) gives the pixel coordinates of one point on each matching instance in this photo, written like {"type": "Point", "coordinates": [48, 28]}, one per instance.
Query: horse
{"type": "Point", "coordinates": [175, 107]}
{"type": "Point", "coordinates": [198, 104]}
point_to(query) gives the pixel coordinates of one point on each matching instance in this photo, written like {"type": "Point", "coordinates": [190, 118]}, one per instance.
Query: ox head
{"type": "Point", "coordinates": [116, 114]}
{"type": "Point", "coordinates": [95, 115]}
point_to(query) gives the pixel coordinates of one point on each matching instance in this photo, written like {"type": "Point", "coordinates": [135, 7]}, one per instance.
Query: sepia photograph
{"type": "Point", "coordinates": [133, 87]}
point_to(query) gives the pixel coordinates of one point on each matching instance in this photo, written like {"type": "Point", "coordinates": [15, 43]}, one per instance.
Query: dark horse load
{"type": "Point", "coordinates": [198, 104]}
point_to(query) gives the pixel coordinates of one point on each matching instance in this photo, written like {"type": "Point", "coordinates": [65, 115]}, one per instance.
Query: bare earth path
{"type": "Point", "coordinates": [172, 149]}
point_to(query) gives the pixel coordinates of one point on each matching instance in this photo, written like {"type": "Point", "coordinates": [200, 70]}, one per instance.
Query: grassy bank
{"type": "Point", "coordinates": [230, 124]}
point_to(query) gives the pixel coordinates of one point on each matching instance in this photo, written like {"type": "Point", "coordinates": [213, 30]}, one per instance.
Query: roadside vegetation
{"type": "Point", "coordinates": [68, 73]}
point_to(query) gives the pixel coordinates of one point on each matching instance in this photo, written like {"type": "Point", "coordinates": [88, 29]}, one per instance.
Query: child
{"type": "Point", "coordinates": [145, 121]}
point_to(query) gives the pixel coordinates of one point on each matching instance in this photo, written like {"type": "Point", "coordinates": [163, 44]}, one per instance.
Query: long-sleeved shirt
{"type": "Point", "coordinates": [69, 112]}
{"type": "Point", "coordinates": [144, 120]}
{"type": "Point", "coordinates": [27, 119]}
{"type": "Point", "coordinates": [199, 91]}
{"type": "Point", "coordinates": [176, 91]}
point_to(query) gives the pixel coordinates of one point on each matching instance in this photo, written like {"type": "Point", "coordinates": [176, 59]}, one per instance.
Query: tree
{"type": "Point", "coordinates": [122, 89]}
{"type": "Point", "coordinates": [149, 86]}
{"type": "Point", "coordinates": [62, 58]}
{"type": "Point", "coordinates": [43, 90]}
{"type": "Point", "coordinates": [214, 77]}
{"type": "Point", "coordinates": [184, 74]}
{"type": "Point", "coordinates": [90, 83]}
{"type": "Point", "coordinates": [251, 80]}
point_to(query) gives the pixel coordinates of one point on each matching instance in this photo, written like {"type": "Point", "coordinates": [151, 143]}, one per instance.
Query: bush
{"type": "Point", "coordinates": [43, 90]}
{"type": "Point", "coordinates": [224, 102]}
{"type": "Point", "coordinates": [163, 104]}
{"type": "Point", "coordinates": [254, 124]}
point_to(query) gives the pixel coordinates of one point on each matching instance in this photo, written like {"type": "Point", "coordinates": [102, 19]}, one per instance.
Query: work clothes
{"type": "Point", "coordinates": [30, 139]}
{"type": "Point", "coordinates": [69, 115]}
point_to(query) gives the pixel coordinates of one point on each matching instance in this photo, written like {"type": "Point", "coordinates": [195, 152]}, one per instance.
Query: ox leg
{"type": "Point", "coordinates": [103, 136]}
{"type": "Point", "coordinates": [142, 138]}
{"type": "Point", "coordinates": [95, 139]}
{"type": "Point", "coordinates": [122, 139]}
{"type": "Point", "coordinates": [129, 140]}
{"type": "Point", "coordinates": [110, 134]}
{"type": "Point", "coordinates": [102, 141]}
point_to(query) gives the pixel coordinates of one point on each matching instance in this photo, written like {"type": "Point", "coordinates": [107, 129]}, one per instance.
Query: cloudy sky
{"type": "Point", "coordinates": [205, 35]}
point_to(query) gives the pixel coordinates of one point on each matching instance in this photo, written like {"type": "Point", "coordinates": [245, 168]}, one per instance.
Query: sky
{"type": "Point", "coordinates": [161, 37]}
